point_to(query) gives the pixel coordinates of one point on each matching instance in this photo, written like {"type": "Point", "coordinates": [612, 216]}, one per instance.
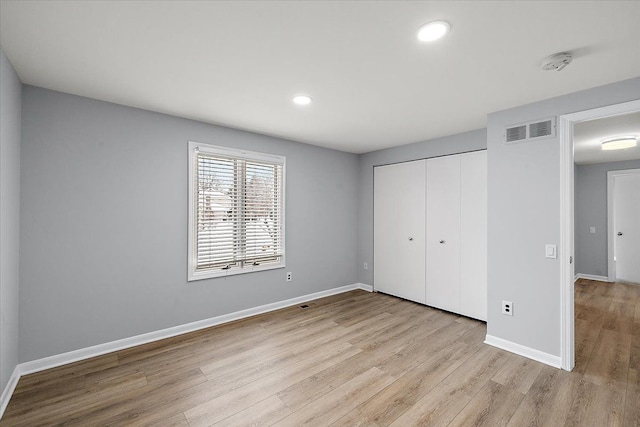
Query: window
{"type": "Point", "coordinates": [236, 211]}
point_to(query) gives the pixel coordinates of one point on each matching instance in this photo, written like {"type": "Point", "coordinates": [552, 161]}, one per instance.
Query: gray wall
{"type": "Point", "coordinates": [104, 224]}
{"type": "Point", "coordinates": [591, 211]}
{"type": "Point", "coordinates": [524, 206]}
{"type": "Point", "coordinates": [10, 111]}
{"type": "Point", "coordinates": [468, 141]}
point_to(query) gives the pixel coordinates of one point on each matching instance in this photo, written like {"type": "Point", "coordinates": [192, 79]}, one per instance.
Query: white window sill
{"type": "Point", "coordinates": [210, 274]}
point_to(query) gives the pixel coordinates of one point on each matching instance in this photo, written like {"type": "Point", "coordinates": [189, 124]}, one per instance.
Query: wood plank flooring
{"type": "Point", "coordinates": [355, 359]}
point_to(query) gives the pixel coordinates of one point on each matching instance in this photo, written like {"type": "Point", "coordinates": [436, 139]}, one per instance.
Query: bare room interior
{"type": "Point", "coordinates": [324, 213]}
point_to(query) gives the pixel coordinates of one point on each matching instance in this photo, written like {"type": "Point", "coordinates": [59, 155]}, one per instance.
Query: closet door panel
{"type": "Point", "coordinates": [473, 223]}
{"type": "Point", "coordinates": [399, 230]}
{"type": "Point", "coordinates": [443, 233]}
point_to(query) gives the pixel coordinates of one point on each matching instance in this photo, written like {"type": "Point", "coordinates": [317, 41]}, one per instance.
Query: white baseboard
{"type": "Point", "coordinates": [537, 355]}
{"type": "Point", "coordinates": [364, 287]}
{"type": "Point", "coordinates": [591, 277]}
{"type": "Point", "coordinates": [100, 349]}
{"type": "Point", "coordinates": [8, 390]}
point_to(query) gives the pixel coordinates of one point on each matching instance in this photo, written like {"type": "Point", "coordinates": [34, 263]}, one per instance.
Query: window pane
{"type": "Point", "coordinates": [217, 207]}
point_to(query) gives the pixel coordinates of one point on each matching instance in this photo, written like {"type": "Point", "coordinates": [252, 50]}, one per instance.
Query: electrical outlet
{"type": "Point", "coordinates": [289, 276]}
{"type": "Point", "coordinates": [507, 308]}
{"type": "Point", "coordinates": [366, 266]}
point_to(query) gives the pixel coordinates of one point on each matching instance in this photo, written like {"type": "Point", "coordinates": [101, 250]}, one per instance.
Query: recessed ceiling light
{"type": "Point", "coordinates": [302, 100]}
{"type": "Point", "coordinates": [619, 143]}
{"type": "Point", "coordinates": [433, 31]}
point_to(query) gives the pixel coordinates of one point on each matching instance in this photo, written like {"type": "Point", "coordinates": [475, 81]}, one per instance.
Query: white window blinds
{"type": "Point", "coordinates": [236, 212]}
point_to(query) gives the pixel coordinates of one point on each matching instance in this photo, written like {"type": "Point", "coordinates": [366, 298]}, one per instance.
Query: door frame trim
{"type": "Point", "coordinates": [566, 250]}
{"type": "Point", "coordinates": [611, 241]}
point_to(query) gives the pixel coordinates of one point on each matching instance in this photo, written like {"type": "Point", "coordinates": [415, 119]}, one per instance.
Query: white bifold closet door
{"type": "Point", "coordinates": [473, 230]}
{"type": "Point", "coordinates": [456, 255]}
{"type": "Point", "coordinates": [399, 230]}
{"type": "Point", "coordinates": [430, 232]}
{"type": "Point", "coordinates": [443, 233]}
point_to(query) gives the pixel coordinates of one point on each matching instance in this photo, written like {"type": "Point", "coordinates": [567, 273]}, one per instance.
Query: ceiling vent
{"type": "Point", "coordinates": [530, 131]}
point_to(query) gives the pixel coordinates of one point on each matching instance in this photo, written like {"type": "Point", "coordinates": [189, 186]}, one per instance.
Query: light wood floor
{"type": "Point", "coordinates": [352, 359]}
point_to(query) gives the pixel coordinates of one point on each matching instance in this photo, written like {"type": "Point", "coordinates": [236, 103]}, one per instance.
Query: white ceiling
{"type": "Point", "coordinates": [588, 136]}
{"type": "Point", "coordinates": [374, 85]}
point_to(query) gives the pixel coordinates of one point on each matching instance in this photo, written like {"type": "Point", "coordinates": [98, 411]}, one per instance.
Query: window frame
{"type": "Point", "coordinates": [195, 147]}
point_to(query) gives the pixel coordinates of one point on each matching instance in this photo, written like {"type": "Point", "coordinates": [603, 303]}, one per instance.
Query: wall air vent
{"type": "Point", "coordinates": [531, 130]}
{"type": "Point", "coordinates": [540, 129]}
{"type": "Point", "coordinates": [517, 133]}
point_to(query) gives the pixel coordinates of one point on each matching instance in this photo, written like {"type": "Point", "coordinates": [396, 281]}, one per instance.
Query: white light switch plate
{"type": "Point", "coordinates": [592, 230]}
{"type": "Point", "coordinates": [550, 251]}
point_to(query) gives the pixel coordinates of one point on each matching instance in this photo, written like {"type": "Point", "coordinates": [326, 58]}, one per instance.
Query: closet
{"type": "Point", "coordinates": [430, 232]}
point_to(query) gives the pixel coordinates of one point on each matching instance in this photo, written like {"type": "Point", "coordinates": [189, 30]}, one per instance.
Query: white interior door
{"type": "Point", "coordinates": [443, 233]}
{"type": "Point", "coordinates": [399, 230]}
{"type": "Point", "coordinates": [626, 208]}
{"type": "Point", "coordinates": [473, 230]}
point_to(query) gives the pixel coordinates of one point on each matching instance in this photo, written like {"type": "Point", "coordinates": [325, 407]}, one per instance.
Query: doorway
{"type": "Point", "coordinates": [566, 250]}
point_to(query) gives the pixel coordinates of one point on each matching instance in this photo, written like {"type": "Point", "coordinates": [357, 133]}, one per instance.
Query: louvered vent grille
{"type": "Point", "coordinates": [537, 130]}
{"type": "Point", "coordinates": [532, 130]}
{"type": "Point", "coordinates": [516, 133]}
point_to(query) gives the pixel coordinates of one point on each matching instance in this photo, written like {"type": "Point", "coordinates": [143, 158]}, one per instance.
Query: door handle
{"type": "Point", "coordinates": [619, 233]}
{"type": "Point", "coordinates": [441, 241]}
{"type": "Point", "coordinates": [411, 239]}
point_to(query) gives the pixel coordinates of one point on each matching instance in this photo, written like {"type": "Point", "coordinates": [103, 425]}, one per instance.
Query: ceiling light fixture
{"type": "Point", "coordinates": [433, 31]}
{"type": "Point", "coordinates": [619, 143]}
{"type": "Point", "coordinates": [302, 100]}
